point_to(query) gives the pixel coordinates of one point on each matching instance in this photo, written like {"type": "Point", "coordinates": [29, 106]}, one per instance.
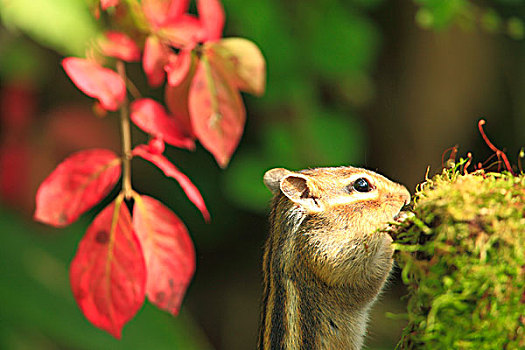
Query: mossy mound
{"type": "Point", "coordinates": [462, 256]}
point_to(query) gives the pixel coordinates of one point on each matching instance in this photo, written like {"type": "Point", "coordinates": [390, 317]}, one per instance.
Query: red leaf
{"type": "Point", "coordinates": [108, 273]}
{"type": "Point", "coordinates": [76, 185]}
{"type": "Point", "coordinates": [156, 56]}
{"type": "Point", "coordinates": [185, 32]}
{"type": "Point", "coordinates": [151, 117]}
{"type": "Point", "coordinates": [178, 67]}
{"type": "Point", "coordinates": [119, 45]}
{"type": "Point", "coordinates": [96, 81]}
{"type": "Point", "coordinates": [171, 171]}
{"type": "Point", "coordinates": [168, 250]}
{"type": "Point", "coordinates": [243, 59]}
{"type": "Point", "coordinates": [176, 99]}
{"type": "Point", "coordinates": [212, 17]}
{"type": "Point", "coordinates": [156, 146]}
{"type": "Point", "coordinates": [108, 3]}
{"type": "Point", "coordinates": [217, 112]}
{"type": "Point", "coordinates": [161, 12]}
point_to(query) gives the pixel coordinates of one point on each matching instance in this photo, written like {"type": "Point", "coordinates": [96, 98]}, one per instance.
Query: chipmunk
{"type": "Point", "coordinates": [324, 262]}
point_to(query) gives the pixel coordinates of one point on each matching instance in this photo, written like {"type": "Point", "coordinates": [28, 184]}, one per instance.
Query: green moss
{"type": "Point", "coordinates": [462, 256]}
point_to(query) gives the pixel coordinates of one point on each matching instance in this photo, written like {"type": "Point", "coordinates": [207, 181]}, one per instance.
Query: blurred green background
{"type": "Point", "coordinates": [388, 85]}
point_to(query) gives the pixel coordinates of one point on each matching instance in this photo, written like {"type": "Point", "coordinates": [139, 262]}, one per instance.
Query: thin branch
{"type": "Point", "coordinates": [126, 139]}
{"type": "Point", "coordinates": [133, 89]}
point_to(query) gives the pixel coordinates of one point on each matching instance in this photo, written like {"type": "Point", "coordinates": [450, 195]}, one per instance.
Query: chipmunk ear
{"type": "Point", "coordinates": [295, 186]}
{"type": "Point", "coordinates": [272, 179]}
{"type": "Point", "coordinates": [298, 189]}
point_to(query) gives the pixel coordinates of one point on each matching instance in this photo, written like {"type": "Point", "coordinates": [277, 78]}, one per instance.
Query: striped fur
{"type": "Point", "coordinates": [323, 269]}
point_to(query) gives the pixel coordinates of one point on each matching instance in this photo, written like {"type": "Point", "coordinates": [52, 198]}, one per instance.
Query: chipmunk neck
{"type": "Point", "coordinates": [300, 311]}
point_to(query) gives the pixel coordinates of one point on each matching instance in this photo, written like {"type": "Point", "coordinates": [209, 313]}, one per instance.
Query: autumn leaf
{"type": "Point", "coordinates": [168, 251]}
{"type": "Point", "coordinates": [176, 99]}
{"type": "Point", "coordinates": [242, 58]}
{"type": "Point", "coordinates": [162, 12]}
{"type": "Point", "coordinates": [155, 57]}
{"type": "Point", "coordinates": [178, 67]}
{"type": "Point", "coordinates": [96, 81]}
{"type": "Point", "coordinates": [211, 14]}
{"type": "Point", "coordinates": [151, 117]}
{"type": "Point", "coordinates": [182, 33]}
{"type": "Point", "coordinates": [119, 45]}
{"type": "Point", "coordinates": [171, 171]}
{"type": "Point", "coordinates": [156, 145]}
{"type": "Point", "coordinates": [108, 272]}
{"type": "Point", "coordinates": [217, 111]}
{"type": "Point", "coordinates": [77, 184]}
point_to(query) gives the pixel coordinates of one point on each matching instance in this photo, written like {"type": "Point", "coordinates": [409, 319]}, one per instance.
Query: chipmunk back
{"type": "Point", "coordinates": [324, 263]}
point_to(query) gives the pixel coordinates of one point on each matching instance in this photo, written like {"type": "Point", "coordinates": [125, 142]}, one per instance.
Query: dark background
{"type": "Point", "coordinates": [387, 85]}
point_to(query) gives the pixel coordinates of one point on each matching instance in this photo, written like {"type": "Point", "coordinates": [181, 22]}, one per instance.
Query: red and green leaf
{"type": "Point", "coordinates": [217, 111]}
{"type": "Point", "coordinates": [77, 184]}
{"type": "Point", "coordinates": [168, 251]}
{"type": "Point", "coordinates": [119, 45]}
{"type": "Point", "coordinates": [151, 117]}
{"type": "Point", "coordinates": [243, 60]}
{"type": "Point", "coordinates": [171, 171]}
{"type": "Point", "coordinates": [108, 272]}
{"type": "Point", "coordinates": [96, 81]}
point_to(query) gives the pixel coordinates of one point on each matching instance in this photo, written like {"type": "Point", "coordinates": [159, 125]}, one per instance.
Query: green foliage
{"type": "Point", "coordinates": [20, 60]}
{"type": "Point", "coordinates": [462, 256]}
{"type": "Point", "coordinates": [63, 25]}
{"type": "Point", "coordinates": [439, 14]}
{"type": "Point", "coordinates": [318, 138]}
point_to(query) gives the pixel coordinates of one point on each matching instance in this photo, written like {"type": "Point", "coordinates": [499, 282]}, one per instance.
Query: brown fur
{"type": "Point", "coordinates": [323, 263]}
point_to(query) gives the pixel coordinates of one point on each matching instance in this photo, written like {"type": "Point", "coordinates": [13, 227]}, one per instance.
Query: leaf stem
{"type": "Point", "coordinates": [133, 89]}
{"type": "Point", "coordinates": [126, 138]}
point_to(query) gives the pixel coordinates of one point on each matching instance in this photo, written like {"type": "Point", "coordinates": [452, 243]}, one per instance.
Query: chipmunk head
{"type": "Point", "coordinates": [363, 194]}
{"type": "Point", "coordinates": [337, 211]}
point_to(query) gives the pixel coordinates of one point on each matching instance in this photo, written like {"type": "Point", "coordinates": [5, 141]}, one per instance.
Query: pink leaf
{"type": "Point", "coordinates": [119, 45]}
{"type": "Point", "coordinates": [151, 117]}
{"type": "Point", "coordinates": [185, 32]}
{"type": "Point", "coordinates": [171, 171]}
{"type": "Point", "coordinates": [161, 12]}
{"type": "Point", "coordinates": [212, 17]}
{"type": "Point", "coordinates": [176, 99]}
{"type": "Point", "coordinates": [105, 4]}
{"type": "Point", "coordinates": [217, 112]}
{"type": "Point", "coordinates": [243, 60]}
{"type": "Point", "coordinates": [168, 250]}
{"type": "Point", "coordinates": [96, 81]}
{"type": "Point", "coordinates": [76, 185]}
{"type": "Point", "coordinates": [108, 272]}
{"type": "Point", "coordinates": [156, 146]}
{"type": "Point", "coordinates": [178, 67]}
{"type": "Point", "coordinates": [156, 56]}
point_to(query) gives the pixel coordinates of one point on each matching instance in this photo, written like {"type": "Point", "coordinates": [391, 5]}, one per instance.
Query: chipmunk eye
{"type": "Point", "coordinates": [362, 185]}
